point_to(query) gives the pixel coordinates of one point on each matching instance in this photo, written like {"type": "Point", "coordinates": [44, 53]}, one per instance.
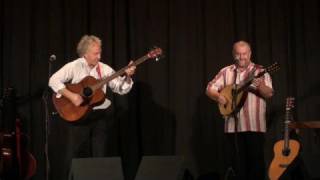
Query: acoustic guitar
{"type": "Point", "coordinates": [16, 162]}
{"type": "Point", "coordinates": [91, 91]}
{"type": "Point", "coordinates": [286, 150]}
{"type": "Point", "coordinates": [239, 91]}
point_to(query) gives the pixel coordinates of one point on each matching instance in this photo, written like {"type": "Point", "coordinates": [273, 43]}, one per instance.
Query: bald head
{"type": "Point", "coordinates": [242, 53]}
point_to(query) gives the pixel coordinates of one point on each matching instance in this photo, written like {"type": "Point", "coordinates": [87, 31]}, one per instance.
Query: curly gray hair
{"type": "Point", "coordinates": [85, 42]}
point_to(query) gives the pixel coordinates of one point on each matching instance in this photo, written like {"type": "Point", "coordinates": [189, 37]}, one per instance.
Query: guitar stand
{"type": "Point", "coordinates": [315, 125]}
{"type": "Point", "coordinates": [305, 125]}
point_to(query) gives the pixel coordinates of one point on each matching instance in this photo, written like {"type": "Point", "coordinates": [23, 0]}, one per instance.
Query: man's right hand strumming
{"type": "Point", "coordinates": [222, 100]}
{"type": "Point", "coordinates": [75, 98]}
{"type": "Point", "coordinates": [216, 96]}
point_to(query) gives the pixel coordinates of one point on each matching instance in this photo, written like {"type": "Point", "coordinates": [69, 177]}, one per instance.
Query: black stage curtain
{"type": "Point", "coordinates": [167, 112]}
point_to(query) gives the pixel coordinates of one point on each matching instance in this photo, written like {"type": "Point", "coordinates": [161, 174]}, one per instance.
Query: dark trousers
{"type": "Point", "coordinates": [245, 155]}
{"type": "Point", "coordinates": [88, 137]}
{"type": "Point", "coordinates": [81, 139]}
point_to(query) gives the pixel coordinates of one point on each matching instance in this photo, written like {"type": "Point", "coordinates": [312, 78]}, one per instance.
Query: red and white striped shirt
{"type": "Point", "coordinates": [252, 114]}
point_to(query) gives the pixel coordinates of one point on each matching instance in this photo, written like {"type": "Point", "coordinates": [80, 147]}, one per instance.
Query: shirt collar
{"type": "Point", "coordinates": [249, 67]}
{"type": "Point", "coordinates": [84, 61]}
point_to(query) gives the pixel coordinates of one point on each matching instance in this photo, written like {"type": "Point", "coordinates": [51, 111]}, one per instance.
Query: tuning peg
{"type": "Point", "coordinates": [161, 56]}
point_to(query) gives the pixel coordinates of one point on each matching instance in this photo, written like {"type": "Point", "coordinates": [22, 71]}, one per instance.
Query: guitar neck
{"type": "Point", "coordinates": [289, 105]}
{"type": "Point", "coordinates": [286, 129]}
{"type": "Point", "coordinates": [286, 134]}
{"type": "Point", "coordinates": [119, 73]}
{"type": "Point", "coordinates": [246, 83]}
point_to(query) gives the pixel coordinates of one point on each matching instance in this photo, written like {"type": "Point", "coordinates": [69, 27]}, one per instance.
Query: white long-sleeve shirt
{"type": "Point", "coordinates": [73, 72]}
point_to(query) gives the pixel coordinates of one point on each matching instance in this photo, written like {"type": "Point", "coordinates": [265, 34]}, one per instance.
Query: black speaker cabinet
{"type": "Point", "coordinates": [161, 168]}
{"type": "Point", "coordinates": [96, 169]}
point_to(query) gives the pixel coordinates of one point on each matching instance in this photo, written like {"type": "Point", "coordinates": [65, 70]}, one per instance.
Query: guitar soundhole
{"type": "Point", "coordinates": [283, 165]}
{"type": "Point", "coordinates": [286, 152]}
{"type": "Point", "coordinates": [87, 91]}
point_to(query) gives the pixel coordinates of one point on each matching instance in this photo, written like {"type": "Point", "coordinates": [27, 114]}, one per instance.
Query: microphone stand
{"type": "Point", "coordinates": [235, 118]}
{"type": "Point", "coordinates": [45, 98]}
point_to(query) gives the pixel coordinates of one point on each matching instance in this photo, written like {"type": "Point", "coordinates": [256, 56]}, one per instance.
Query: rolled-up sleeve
{"type": "Point", "coordinates": [217, 83]}
{"type": "Point", "coordinates": [120, 85]}
{"type": "Point", "coordinates": [58, 79]}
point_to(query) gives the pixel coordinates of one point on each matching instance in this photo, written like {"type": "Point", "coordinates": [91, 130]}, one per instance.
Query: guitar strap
{"type": "Point", "coordinates": [99, 71]}
{"type": "Point", "coordinates": [252, 71]}
{"type": "Point", "coordinates": [235, 76]}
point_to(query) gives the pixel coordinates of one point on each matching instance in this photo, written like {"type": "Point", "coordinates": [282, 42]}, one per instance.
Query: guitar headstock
{"type": "Point", "coordinates": [273, 68]}
{"type": "Point", "coordinates": [155, 53]}
{"type": "Point", "coordinates": [289, 103]}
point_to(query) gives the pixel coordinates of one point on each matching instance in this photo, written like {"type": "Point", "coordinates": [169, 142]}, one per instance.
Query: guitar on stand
{"type": "Point", "coordinates": [90, 89]}
{"type": "Point", "coordinates": [16, 162]}
{"type": "Point", "coordinates": [286, 150]}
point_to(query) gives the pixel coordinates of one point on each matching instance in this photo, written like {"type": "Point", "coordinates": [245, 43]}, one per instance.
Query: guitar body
{"type": "Point", "coordinates": [16, 162]}
{"type": "Point", "coordinates": [227, 109]}
{"type": "Point", "coordinates": [281, 161]}
{"type": "Point", "coordinates": [28, 165]}
{"type": "Point", "coordinates": [26, 162]}
{"type": "Point", "coordinates": [68, 111]}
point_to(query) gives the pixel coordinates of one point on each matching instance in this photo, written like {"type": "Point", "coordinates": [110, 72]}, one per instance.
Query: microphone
{"type": "Point", "coordinates": [237, 60]}
{"type": "Point", "coordinates": [52, 58]}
